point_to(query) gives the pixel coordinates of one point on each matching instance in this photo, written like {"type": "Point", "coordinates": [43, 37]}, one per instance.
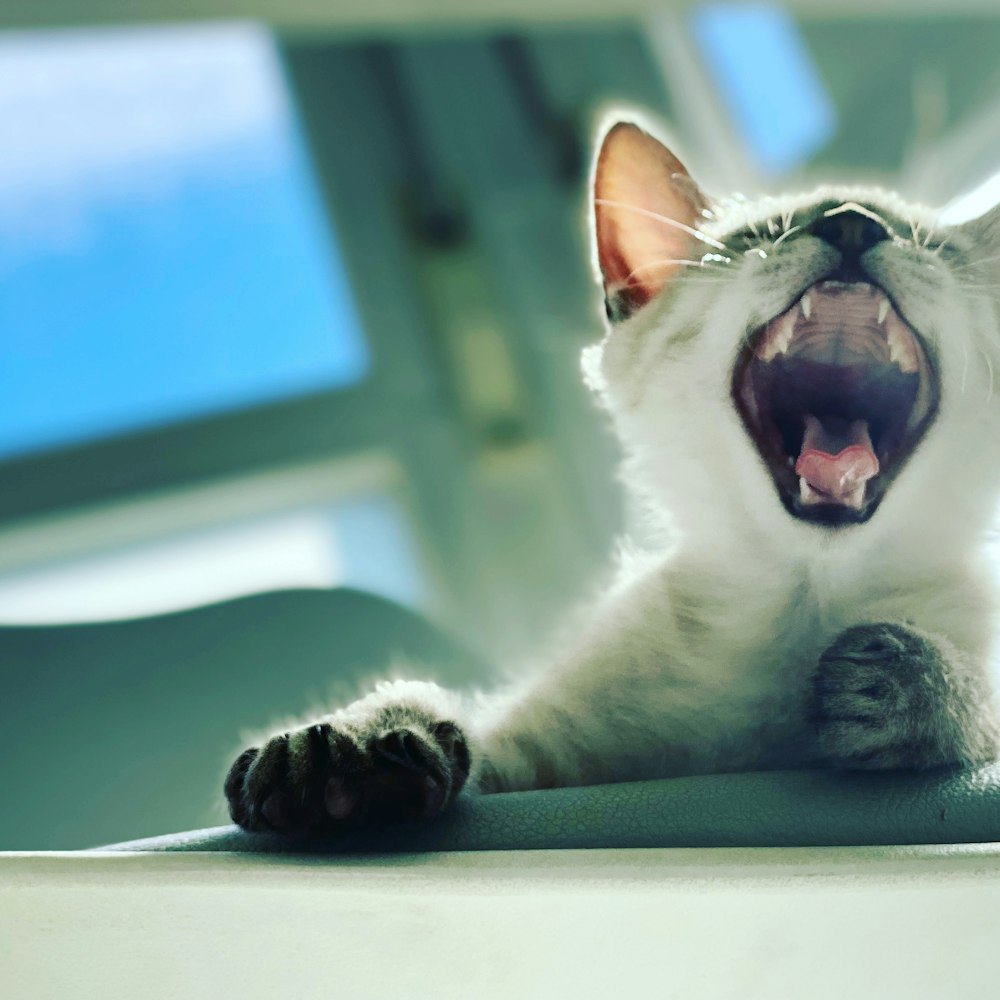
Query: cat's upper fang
{"type": "Point", "coordinates": [840, 322]}
{"type": "Point", "coordinates": [779, 337]}
{"type": "Point", "coordinates": [883, 309]}
{"type": "Point", "coordinates": [838, 361]}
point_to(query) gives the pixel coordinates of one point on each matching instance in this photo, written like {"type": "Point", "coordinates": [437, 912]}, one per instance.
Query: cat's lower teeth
{"type": "Point", "coordinates": [836, 462]}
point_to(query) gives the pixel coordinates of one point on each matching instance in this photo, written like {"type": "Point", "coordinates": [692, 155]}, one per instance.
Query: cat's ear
{"type": "Point", "coordinates": [646, 213]}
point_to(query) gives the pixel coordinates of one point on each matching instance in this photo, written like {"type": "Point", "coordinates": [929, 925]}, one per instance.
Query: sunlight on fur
{"type": "Point", "coordinates": [803, 387]}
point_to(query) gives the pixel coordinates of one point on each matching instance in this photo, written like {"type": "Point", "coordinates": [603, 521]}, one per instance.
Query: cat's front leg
{"type": "Point", "coordinates": [889, 696]}
{"type": "Point", "coordinates": [388, 757]}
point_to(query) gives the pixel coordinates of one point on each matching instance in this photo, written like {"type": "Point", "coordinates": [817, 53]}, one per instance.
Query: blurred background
{"type": "Point", "coordinates": [292, 293]}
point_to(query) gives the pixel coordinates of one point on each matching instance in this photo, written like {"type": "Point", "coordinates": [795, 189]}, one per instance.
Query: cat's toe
{"type": "Point", "coordinates": [255, 784]}
{"type": "Point", "coordinates": [320, 780]}
{"type": "Point", "coordinates": [415, 775]}
{"type": "Point", "coordinates": [234, 784]}
{"type": "Point", "coordinates": [282, 786]}
{"type": "Point", "coordinates": [870, 698]}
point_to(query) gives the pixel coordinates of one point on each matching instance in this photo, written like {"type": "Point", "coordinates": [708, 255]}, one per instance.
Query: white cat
{"type": "Point", "coordinates": [805, 386]}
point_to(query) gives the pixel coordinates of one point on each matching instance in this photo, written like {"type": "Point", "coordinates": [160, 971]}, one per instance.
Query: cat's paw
{"type": "Point", "coordinates": [319, 779]}
{"type": "Point", "coordinates": [878, 700]}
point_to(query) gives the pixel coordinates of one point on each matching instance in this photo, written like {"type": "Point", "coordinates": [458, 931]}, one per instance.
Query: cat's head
{"type": "Point", "coordinates": [808, 364]}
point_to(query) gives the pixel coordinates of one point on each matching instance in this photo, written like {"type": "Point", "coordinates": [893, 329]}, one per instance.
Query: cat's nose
{"type": "Point", "coordinates": [850, 232]}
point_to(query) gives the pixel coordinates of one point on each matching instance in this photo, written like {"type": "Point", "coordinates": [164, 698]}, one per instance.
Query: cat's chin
{"type": "Point", "coordinates": [836, 393]}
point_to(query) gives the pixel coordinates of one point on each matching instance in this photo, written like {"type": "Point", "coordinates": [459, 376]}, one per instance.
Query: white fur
{"type": "Point", "coordinates": [701, 656]}
{"type": "Point", "coordinates": [702, 659]}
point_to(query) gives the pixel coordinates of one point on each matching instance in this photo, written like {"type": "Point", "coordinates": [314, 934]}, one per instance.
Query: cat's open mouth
{"type": "Point", "coordinates": [836, 393]}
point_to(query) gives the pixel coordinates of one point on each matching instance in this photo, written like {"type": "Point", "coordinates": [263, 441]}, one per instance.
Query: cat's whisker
{"type": "Point", "coordinates": [992, 297]}
{"type": "Point", "coordinates": [969, 280]}
{"type": "Point", "coordinates": [975, 263]}
{"type": "Point", "coordinates": [992, 259]}
{"type": "Point", "coordinates": [666, 220]}
{"type": "Point", "coordinates": [937, 251]}
{"type": "Point", "coordinates": [670, 262]}
{"type": "Point", "coordinates": [784, 236]}
{"type": "Point", "coordinates": [920, 235]}
{"type": "Point", "coordinates": [989, 368]}
{"type": "Point", "coordinates": [977, 286]}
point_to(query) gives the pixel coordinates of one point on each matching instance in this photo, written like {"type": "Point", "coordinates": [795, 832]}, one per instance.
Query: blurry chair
{"type": "Point", "coordinates": [116, 730]}
{"type": "Point", "coordinates": [122, 730]}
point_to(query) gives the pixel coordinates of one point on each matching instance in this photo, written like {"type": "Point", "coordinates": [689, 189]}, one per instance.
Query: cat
{"type": "Point", "coordinates": [804, 387]}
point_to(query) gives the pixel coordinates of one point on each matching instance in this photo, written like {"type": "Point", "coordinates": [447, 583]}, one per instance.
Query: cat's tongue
{"type": "Point", "coordinates": [835, 462]}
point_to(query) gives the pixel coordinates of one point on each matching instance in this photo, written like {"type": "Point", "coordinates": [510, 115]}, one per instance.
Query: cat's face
{"type": "Point", "coordinates": [803, 363]}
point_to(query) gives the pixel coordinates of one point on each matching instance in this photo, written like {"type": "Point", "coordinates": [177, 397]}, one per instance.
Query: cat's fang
{"type": "Point", "coordinates": [778, 338]}
{"type": "Point", "coordinates": [883, 309]}
{"type": "Point", "coordinates": [839, 323]}
{"type": "Point", "coordinates": [836, 462]}
{"type": "Point", "coordinates": [810, 496]}
{"type": "Point", "coordinates": [902, 352]}
{"type": "Point", "coordinates": [839, 360]}
{"type": "Point", "coordinates": [895, 350]}
{"type": "Point", "coordinates": [785, 334]}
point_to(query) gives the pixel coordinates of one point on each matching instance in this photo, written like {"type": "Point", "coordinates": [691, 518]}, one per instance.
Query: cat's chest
{"type": "Point", "coordinates": [768, 625]}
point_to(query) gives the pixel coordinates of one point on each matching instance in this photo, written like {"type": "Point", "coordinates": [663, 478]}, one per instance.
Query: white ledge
{"type": "Point", "coordinates": [766, 922]}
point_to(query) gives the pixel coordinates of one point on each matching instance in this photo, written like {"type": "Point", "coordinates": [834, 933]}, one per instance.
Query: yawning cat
{"type": "Point", "coordinates": [805, 386]}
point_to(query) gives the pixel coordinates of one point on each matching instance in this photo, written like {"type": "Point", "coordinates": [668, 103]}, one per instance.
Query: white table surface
{"type": "Point", "coordinates": [764, 922]}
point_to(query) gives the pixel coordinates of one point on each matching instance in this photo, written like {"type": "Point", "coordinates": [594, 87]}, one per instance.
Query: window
{"type": "Point", "coordinates": [163, 252]}
{"type": "Point", "coordinates": [321, 525]}
{"type": "Point", "coordinates": [166, 260]}
{"type": "Point", "coordinates": [764, 73]}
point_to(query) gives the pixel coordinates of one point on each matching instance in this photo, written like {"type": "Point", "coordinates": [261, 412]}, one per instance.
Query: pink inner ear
{"type": "Point", "coordinates": [646, 207]}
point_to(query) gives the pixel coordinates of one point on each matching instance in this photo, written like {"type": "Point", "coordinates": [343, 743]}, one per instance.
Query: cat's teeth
{"type": "Point", "coordinates": [895, 351]}
{"type": "Point", "coordinates": [901, 352]}
{"type": "Point", "coordinates": [806, 304]}
{"type": "Point", "coordinates": [784, 338]}
{"type": "Point", "coordinates": [883, 309]}
{"type": "Point", "coordinates": [778, 338]}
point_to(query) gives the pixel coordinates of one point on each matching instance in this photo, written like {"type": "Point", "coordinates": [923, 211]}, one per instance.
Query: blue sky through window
{"type": "Point", "coordinates": [163, 249]}
{"type": "Point", "coordinates": [767, 78]}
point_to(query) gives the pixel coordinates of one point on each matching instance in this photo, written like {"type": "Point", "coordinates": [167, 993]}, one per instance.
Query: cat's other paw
{"type": "Point", "coordinates": [879, 700]}
{"type": "Point", "coordinates": [321, 779]}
